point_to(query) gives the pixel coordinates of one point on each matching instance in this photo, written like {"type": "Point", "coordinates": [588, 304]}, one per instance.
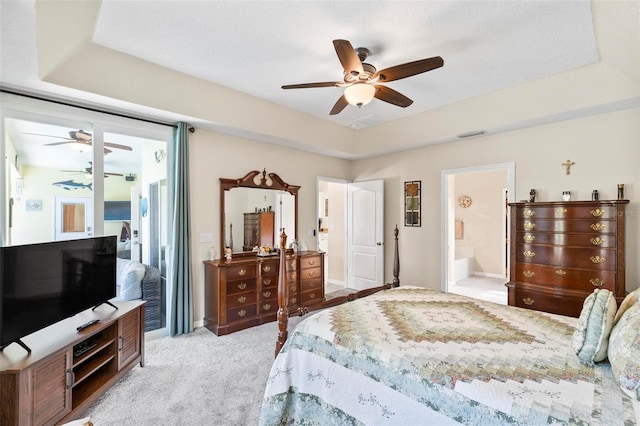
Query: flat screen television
{"type": "Point", "coordinates": [41, 284]}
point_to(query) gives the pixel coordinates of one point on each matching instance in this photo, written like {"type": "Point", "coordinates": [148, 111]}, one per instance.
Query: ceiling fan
{"type": "Point", "coordinates": [361, 80]}
{"type": "Point", "coordinates": [88, 171]}
{"type": "Point", "coordinates": [81, 138]}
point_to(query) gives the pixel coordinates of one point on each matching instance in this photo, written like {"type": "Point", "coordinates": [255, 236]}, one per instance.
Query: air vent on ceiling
{"type": "Point", "coordinates": [366, 121]}
{"type": "Point", "coordinates": [472, 134]}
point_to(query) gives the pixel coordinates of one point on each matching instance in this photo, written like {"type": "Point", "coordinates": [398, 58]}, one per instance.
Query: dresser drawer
{"type": "Point", "coordinates": [240, 271]}
{"type": "Point", "coordinates": [581, 240]}
{"type": "Point", "coordinates": [240, 313]}
{"type": "Point", "coordinates": [311, 297]}
{"type": "Point", "coordinates": [554, 277]}
{"type": "Point", "coordinates": [310, 273]}
{"type": "Point", "coordinates": [314, 284]}
{"type": "Point", "coordinates": [563, 256]}
{"type": "Point", "coordinates": [269, 268]}
{"type": "Point", "coordinates": [269, 306]}
{"type": "Point", "coordinates": [269, 281]}
{"type": "Point", "coordinates": [562, 212]}
{"type": "Point", "coordinates": [553, 302]}
{"type": "Point", "coordinates": [291, 265]}
{"type": "Point", "coordinates": [241, 285]}
{"type": "Point", "coordinates": [241, 299]}
{"type": "Point", "coordinates": [310, 261]}
{"type": "Point", "coordinates": [594, 226]}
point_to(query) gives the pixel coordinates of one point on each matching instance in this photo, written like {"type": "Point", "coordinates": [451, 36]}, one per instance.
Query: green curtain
{"type": "Point", "coordinates": [182, 294]}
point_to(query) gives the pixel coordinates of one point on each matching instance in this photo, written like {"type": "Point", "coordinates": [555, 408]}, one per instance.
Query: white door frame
{"type": "Point", "coordinates": [447, 203]}
{"type": "Point", "coordinates": [58, 233]}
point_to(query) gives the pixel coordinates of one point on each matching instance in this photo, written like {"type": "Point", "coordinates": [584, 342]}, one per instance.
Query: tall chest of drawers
{"type": "Point", "coordinates": [243, 292]}
{"type": "Point", "coordinates": [561, 251]}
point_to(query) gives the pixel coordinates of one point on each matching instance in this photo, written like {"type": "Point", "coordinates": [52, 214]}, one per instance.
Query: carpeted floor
{"type": "Point", "coordinates": [195, 379]}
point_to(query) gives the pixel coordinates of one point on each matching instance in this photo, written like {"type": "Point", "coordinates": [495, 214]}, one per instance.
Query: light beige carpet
{"type": "Point", "coordinates": [195, 379]}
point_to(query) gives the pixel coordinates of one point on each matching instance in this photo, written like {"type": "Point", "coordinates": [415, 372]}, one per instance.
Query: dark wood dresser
{"type": "Point", "coordinates": [561, 251]}
{"type": "Point", "coordinates": [243, 292]}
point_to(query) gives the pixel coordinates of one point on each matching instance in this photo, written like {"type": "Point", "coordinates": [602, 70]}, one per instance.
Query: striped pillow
{"type": "Point", "coordinates": [591, 337]}
{"type": "Point", "coordinates": [624, 351]}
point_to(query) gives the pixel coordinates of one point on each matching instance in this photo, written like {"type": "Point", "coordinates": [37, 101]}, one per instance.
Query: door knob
{"type": "Point", "coordinates": [378, 243]}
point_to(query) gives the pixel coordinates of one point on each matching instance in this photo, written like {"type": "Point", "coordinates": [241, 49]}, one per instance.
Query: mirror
{"type": "Point", "coordinates": [257, 200]}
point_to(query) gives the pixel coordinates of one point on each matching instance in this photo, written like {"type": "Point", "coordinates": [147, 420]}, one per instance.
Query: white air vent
{"type": "Point", "coordinates": [472, 134]}
{"type": "Point", "coordinates": [369, 120]}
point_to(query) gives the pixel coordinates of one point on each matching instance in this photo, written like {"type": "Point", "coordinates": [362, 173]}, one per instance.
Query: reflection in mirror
{"type": "Point", "coordinates": [248, 209]}
{"type": "Point", "coordinates": [255, 208]}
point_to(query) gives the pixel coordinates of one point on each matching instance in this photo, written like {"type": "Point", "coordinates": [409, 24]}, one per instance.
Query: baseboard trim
{"type": "Point", "coordinates": [489, 275]}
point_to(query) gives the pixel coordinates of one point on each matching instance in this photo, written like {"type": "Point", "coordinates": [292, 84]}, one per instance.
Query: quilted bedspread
{"type": "Point", "coordinates": [412, 356]}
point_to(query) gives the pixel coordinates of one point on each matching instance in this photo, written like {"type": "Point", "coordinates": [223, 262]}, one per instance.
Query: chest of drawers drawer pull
{"type": "Point", "coordinates": [598, 212]}
{"type": "Point", "coordinates": [528, 301]}
{"type": "Point", "coordinates": [561, 211]}
{"type": "Point", "coordinates": [597, 259]}
{"type": "Point", "coordinates": [311, 273]}
{"type": "Point", "coordinates": [242, 299]}
{"type": "Point", "coordinates": [242, 272]}
{"type": "Point", "coordinates": [292, 265]}
{"type": "Point", "coordinates": [266, 268]}
{"type": "Point", "coordinates": [242, 313]}
{"type": "Point", "coordinates": [311, 262]}
{"type": "Point", "coordinates": [597, 226]}
{"type": "Point", "coordinates": [266, 293]}
{"type": "Point", "coordinates": [266, 281]}
{"type": "Point", "coordinates": [529, 253]}
{"type": "Point", "coordinates": [529, 226]}
{"type": "Point", "coordinates": [293, 300]}
{"type": "Point", "coordinates": [561, 272]}
{"type": "Point", "coordinates": [528, 238]}
{"type": "Point", "coordinates": [528, 213]}
{"type": "Point", "coordinates": [242, 286]}
{"type": "Point", "coordinates": [312, 295]}
{"type": "Point", "coordinates": [596, 282]}
{"type": "Point", "coordinates": [266, 306]}
{"type": "Point", "coordinates": [528, 274]}
{"type": "Point", "coordinates": [597, 241]}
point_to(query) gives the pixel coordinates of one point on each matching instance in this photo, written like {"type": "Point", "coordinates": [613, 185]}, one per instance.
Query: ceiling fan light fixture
{"type": "Point", "coordinates": [81, 146]}
{"type": "Point", "coordinates": [359, 94]}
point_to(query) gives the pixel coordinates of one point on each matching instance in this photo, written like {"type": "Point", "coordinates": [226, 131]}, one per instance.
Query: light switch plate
{"type": "Point", "coordinates": [206, 237]}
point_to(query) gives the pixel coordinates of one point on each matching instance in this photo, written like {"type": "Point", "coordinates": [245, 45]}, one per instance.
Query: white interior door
{"type": "Point", "coordinates": [73, 218]}
{"type": "Point", "coordinates": [365, 224]}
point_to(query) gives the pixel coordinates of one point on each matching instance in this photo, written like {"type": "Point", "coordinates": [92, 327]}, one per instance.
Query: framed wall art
{"type": "Point", "coordinates": [412, 195]}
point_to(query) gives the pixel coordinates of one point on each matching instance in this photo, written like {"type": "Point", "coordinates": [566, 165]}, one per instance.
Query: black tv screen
{"type": "Point", "coordinates": [41, 284]}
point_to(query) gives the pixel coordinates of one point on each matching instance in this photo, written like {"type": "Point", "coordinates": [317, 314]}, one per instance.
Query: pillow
{"type": "Point", "coordinates": [129, 275]}
{"type": "Point", "coordinates": [624, 351]}
{"type": "Point", "coordinates": [631, 299]}
{"type": "Point", "coordinates": [591, 337]}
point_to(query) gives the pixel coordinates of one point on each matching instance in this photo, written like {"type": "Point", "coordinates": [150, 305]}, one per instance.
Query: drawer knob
{"type": "Point", "coordinates": [597, 226]}
{"type": "Point", "coordinates": [529, 225]}
{"type": "Point", "coordinates": [292, 265]}
{"type": "Point", "coordinates": [266, 268]}
{"type": "Point", "coordinates": [242, 272]}
{"type": "Point", "coordinates": [597, 259]}
{"type": "Point", "coordinates": [294, 276]}
{"type": "Point", "coordinates": [266, 281]}
{"type": "Point", "coordinates": [561, 210]}
{"type": "Point", "coordinates": [596, 282]}
{"type": "Point", "coordinates": [310, 273]}
{"type": "Point", "coordinates": [266, 294]}
{"type": "Point", "coordinates": [528, 213]}
{"type": "Point", "coordinates": [598, 213]}
{"type": "Point", "coordinates": [528, 238]}
{"type": "Point", "coordinates": [529, 253]}
{"type": "Point", "coordinates": [242, 286]}
{"type": "Point", "coordinates": [528, 301]}
{"type": "Point", "coordinates": [561, 272]}
{"type": "Point", "coordinates": [242, 299]}
{"type": "Point", "coordinates": [312, 262]}
{"type": "Point", "coordinates": [597, 241]}
{"type": "Point", "coordinates": [242, 313]}
{"type": "Point", "coordinates": [312, 295]}
{"type": "Point", "coordinates": [293, 300]}
{"type": "Point", "coordinates": [528, 274]}
{"type": "Point", "coordinates": [266, 306]}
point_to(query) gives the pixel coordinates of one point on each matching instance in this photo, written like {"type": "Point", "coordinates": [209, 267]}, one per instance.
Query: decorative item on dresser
{"type": "Point", "coordinates": [258, 230]}
{"type": "Point", "coordinates": [243, 292]}
{"type": "Point", "coordinates": [562, 251]}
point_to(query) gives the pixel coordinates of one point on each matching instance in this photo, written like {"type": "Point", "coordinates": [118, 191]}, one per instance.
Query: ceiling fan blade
{"type": "Point", "coordinates": [312, 85]}
{"type": "Point", "coordinates": [387, 94]}
{"type": "Point", "coordinates": [410, 68]}
{"type": "Point", "coordinates": [339, 106]}
{"type": "Point", "coordinates": [348, 57]}
{"type": "Point", "coordinates": [59, 143]}
{"type": "Point", "coordinates": [118, 146]}
{"type": "Point", "coordinates": [113, 174]}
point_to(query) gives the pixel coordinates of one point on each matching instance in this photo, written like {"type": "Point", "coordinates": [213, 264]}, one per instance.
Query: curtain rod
{"type": "Point", "coordinates": [88, 108]}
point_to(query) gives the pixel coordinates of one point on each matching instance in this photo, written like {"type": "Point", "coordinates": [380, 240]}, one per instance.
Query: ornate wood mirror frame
{"type": "Point", "coordinates": [258, 180]}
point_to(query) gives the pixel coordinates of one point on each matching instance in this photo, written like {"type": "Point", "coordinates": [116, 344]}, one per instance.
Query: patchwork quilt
{"type": "Point", "coordinates": [410, 356]}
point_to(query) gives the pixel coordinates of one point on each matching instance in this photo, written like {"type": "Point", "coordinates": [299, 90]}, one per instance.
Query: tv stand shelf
{"type": "Point", "coordinates": [68, 370]}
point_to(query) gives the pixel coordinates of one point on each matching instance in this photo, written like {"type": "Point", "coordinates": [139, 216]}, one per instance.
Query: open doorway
{"type": "Point", "coordinates": [475, 230]}
{"type": "Point", "coordinates": [332, 231]}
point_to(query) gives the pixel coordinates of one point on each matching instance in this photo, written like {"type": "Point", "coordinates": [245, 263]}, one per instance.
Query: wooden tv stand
{"type": "Point", "coordinates": [68, 370]}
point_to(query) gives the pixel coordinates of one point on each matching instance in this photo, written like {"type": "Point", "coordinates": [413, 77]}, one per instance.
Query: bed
{"type": "Point", "coordinates": [409, 355]}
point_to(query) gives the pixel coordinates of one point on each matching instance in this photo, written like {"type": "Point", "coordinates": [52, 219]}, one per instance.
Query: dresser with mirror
{"type": "Point", "coordinates": [242, 291]}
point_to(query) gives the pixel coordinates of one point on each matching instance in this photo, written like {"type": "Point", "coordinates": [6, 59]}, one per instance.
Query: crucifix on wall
{"type": "Point", "coordinates": [567, 164]}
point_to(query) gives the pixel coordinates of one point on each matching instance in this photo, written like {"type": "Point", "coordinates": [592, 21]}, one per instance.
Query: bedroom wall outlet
{"type": "Point", "coordinates": [206, 237]}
